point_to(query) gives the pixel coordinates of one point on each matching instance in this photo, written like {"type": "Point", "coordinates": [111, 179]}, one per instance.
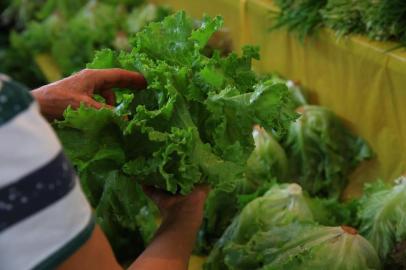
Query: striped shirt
{"type": "Point", "coordinates": [44, 216]}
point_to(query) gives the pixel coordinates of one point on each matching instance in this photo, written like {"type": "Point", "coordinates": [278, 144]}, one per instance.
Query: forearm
{"type": "Point", "coordinates": [170, 248]}
{"type": "Point", "coordinates": [96, 254]}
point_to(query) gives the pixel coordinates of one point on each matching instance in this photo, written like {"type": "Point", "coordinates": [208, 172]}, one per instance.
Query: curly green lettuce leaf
{"type": "Point", "coordinates": [179, 118]}
{"type": "Point", "coordinates": [233, 114]}
{"type": "Point", "coordinates": [126, 215]}
{"type": "Point", "coordinates": [92, 139]}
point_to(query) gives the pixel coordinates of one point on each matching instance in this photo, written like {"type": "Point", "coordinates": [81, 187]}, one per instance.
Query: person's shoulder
{"type": "Point", "coordinates": [15, 98]}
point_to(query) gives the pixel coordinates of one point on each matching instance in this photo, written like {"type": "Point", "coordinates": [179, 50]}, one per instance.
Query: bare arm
{"type": "Point", "coordinates": [174, 241]}
{"type": "Point", "coordinates": [169, 250]}
{"type": "Point", "coordinates": [96, 254]}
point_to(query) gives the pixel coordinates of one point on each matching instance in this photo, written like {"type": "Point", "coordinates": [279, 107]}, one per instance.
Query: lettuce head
{"type": "Point", "coordinates": [383, 220]}
{"type": "Point", "coordinates": [322, 151]}
{"type": "Point", "coordinates": [320, 248]}
{"type": "Point", "coordinates": [280, 205]}
{"type": "Point", "coordinates": [266, 224]}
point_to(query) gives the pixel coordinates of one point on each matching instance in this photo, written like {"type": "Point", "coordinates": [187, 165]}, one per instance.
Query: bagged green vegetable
{"type": "Point", "coordinates": [267, 223]}
{"type": "Point", "coordinates": [281, 205]}
{"type": "Point", "coordinates": [320, 248]}
{"type": "Point", "coordinates": [322, 151]}
{"type": "Point", "coordinates": [383, 220]}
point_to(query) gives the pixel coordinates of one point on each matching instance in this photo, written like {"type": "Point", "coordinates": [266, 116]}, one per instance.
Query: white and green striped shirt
{"type": "Point", "coordinates": [44, 216]}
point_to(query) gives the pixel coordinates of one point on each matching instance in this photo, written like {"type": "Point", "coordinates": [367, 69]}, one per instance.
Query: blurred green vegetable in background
{"type": "Point", "coordinates": [379, 20]}
{"type": "Point", "coordinates": [383, 220]}
{"type": "Point", "coordinates": [71, 32]}
{"type": "Point", "coordinates": [322, 152]}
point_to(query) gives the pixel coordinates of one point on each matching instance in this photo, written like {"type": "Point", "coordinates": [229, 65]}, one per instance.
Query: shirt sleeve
{"type": "Point", "coordinates": [44, 215]}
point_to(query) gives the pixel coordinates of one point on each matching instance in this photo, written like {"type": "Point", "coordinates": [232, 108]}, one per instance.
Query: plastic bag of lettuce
{"type": "Point", "coordinates": [322, 152]}
{"type": "Point", "coordinates": [382, 220]}
{"type": "Point", "coordinates": [285, 229]}
{"type": "Point", "coordinates": [191, 125]}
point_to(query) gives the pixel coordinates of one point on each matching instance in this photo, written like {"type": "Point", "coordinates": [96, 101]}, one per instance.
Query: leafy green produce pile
{"type": "Point", "coordinates": [379, 20]}
{"type": "Point", "coordinates": [71, 31]}
{"type": "Point", "coordinates": [276, 175]}
{"type": "Point", "coordinates": [191, 125]}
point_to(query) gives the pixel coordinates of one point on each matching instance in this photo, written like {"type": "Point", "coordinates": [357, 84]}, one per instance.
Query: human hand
{"type": "Point", "coordinates": [79, 88]}
{"type": "Point", "coordinates": [177, 208]}
{"type": "Point", "coordinates": [173, 242]}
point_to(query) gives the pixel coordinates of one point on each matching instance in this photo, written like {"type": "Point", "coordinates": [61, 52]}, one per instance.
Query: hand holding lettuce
{"type": "Point", "coordinates": [191, 125]}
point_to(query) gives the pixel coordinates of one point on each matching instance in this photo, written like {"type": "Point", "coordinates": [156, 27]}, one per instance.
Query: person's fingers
{"type": "Point", "coordinates": [147, 190]}
{"type": "Point", "coordinates": [155, 195]}
{"type": "Point", "coordinates": [94, 104]}
{"type": "Point", "coordinates": [110, 78]}
{"type": "Point", "coordinates": [109, 95]}
{"type": "Point", "coordinates": [201, 192]}
{"type": "Point", "coordinates": [203, 187]}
